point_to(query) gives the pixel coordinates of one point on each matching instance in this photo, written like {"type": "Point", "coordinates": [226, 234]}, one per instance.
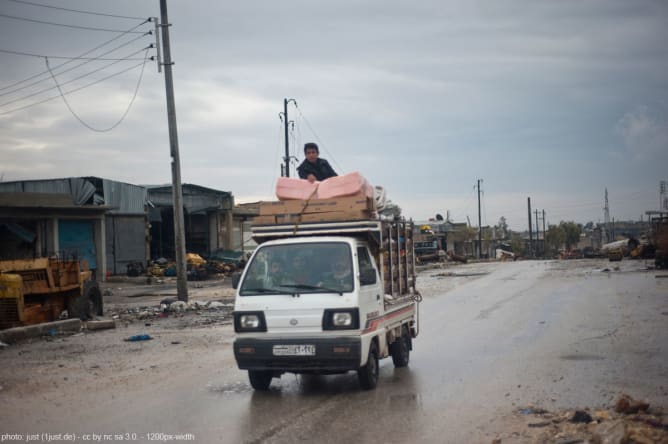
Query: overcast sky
{"type": "Point", "coordinates": [553, 100]}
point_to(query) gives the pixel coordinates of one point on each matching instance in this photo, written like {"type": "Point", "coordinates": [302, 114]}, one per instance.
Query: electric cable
{"type": "Point", "coordinates": [80, 55]}
{"type": "Point", "coordinates": [44, 22]}
{"type": "Point", "coordinates": [75, 78]}
{"type": "Point", "coordinates": [134, 96]}
{"type": "Point", "coordinates": [76, 10]}
{"type": "Point", "coordinates": [320, 144]}
{"type": "Point", "coordinates": [41, 56]}
{"type": "Point", "coordinates": [74, 67]}
{"type": "Point", "coordinates": [73, 90]}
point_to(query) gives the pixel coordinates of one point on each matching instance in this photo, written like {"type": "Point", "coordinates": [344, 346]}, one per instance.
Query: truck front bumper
{"type": "Point", "coordinates": [332, 355]}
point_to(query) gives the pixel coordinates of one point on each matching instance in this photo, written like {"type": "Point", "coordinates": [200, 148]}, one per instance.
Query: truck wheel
{"type": "Point", "coordinates": [368, 374]}
{"type": "Point", "coordinates": [260, 379]}
{"type": "Point", "coordinates": [400, 350]}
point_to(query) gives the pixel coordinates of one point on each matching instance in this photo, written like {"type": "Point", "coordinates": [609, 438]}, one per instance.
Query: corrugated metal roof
{"type": "Point", "coordinates": [196, 199]}
{"type": "Point", "coordinates": [124, 198]}
{"type": "Point", "coordinates": [119, 197]}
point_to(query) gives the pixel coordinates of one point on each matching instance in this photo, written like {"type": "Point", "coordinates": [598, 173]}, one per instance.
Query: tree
{"type": "Point", "coordinates": [555, 237]}
{"type": "Point", "coordinates": [572, 231]}
{"type": "Point", "coordinates": [517, 244]}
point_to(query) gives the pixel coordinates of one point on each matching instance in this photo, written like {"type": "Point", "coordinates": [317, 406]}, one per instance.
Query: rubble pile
{"type": "Point", "coordinates": [197, 268]}
{"type": "Point", "coordinates": [214, 311]}
{"type": "Point", "coordinates": [629, 421]}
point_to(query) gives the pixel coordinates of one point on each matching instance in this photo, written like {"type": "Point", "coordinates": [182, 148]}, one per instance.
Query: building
{"type": "Point", "coordinates": [208, 220]}
{"type": "Point", "coordinates": [99, 220]}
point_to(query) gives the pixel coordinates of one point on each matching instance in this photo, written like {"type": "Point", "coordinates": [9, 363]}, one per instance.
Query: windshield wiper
{"type": "Point", "coordinates": [314, 287]}
{"type": "Point", "coordinates": [268, 290]}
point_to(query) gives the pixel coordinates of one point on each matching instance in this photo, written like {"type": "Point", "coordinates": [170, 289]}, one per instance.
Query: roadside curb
{"type": "Point", "coordinates": [47, 329]}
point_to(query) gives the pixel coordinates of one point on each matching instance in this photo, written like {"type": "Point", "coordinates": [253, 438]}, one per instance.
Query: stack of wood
{"type": "Point", "coordinates": [316, 210]}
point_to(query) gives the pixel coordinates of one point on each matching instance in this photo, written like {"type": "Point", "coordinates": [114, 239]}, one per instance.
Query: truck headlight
{"type": "Point", "coordinates": [344, 319]}
{"type": "Point", "coordinates": [249, 321]}
{"type": "Point", "coordinates": [341, 319]}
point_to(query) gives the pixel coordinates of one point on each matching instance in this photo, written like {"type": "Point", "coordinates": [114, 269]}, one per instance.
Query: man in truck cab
{"type": "Point", "coordinates": [340, 278]}
{"type": "Point", "coordinates": [313, 167]}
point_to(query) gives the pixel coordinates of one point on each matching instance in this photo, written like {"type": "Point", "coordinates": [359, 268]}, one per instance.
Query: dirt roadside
{"type": "Point", "coordinates": [55, 370]}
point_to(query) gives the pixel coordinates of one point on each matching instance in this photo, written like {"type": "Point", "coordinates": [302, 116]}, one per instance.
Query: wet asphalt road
{"type": "Point", "coordinates": [549, 334]}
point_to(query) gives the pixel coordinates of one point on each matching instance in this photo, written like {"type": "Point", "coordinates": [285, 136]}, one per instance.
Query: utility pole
{"type": "Point", "coordinates": [606, 218]}
{"type": "Point", "coordinates": [479, 223]}
{"type": "Point", "coordinates": [530, 235]}
{"type": "Point", "coordinates": [286, 122]}
{"type": "Point", "coordinates": [179, 232]}
{"type": "Point", "coordinates": [537, 234]}
{"type": "Point", "coordinates": [543, 232]}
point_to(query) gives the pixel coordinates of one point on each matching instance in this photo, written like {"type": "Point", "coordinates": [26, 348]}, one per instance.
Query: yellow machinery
{"type": "Point", "coordinates": [39, 290]}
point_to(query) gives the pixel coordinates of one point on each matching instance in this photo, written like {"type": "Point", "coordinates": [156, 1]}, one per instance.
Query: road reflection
{"type": "Point", "coordinates": [334, 409]}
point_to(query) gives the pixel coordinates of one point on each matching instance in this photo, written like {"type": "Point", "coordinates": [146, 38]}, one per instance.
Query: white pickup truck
{"type": "Point", "coordinates": [325, 298]}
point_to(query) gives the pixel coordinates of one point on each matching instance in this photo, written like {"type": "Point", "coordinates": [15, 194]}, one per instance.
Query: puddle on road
{"type": "Point", "coordinates": [230, 389]}
{"type": "Point", "coordinates": [582, 357]}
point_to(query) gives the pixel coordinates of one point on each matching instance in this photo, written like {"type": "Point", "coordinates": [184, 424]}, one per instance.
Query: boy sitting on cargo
{"type": "Point", "coordinates": [313, 167]}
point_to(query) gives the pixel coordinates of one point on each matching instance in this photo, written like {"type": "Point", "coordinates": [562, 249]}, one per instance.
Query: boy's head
{"type": "Point", "coordinates": [311, 151]}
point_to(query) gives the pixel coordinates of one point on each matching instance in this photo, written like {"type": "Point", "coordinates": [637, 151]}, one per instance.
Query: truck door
{"type": "Point", "coordinates": [370, 294]}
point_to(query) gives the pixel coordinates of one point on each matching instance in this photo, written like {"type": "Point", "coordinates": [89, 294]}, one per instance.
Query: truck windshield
{"type": "Point", "coordinates": [313, 267]}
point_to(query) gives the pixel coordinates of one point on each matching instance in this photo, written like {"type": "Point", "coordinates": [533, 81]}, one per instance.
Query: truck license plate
{"type": "Point", "coordinates": [294, 350]}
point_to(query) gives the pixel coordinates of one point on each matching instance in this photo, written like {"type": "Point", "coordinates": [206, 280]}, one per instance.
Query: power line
{"type": "Point", "coordinates": [41, 56]}
{"type": "Point", "coordinates": [318, 139]}
{"type": "Point", "coordinates": [80, 55]}
{"type": "Point", "coordinates": [73, 90]}
{"type": "Point", "coordinates": [72, 68]}
{"type": "Point", "coordinates": [44, 22]}
{"type": "Point", "coordinates": [76, 78]}
{"type": "Point", "coordinates": [76, 10]}
{"type": "Point", "coordinates": [134, 96]}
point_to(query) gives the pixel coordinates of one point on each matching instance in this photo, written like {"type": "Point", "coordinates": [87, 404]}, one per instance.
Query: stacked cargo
{"type": "Point", "coordinates": [342, 198]}
{"type": "Point", "coordinates": [315, 210]}
{"type": "Point", "coordinates": [398, 258]}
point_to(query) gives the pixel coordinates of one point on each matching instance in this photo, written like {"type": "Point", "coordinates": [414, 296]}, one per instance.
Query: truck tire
{"type": "Point", "coordinates": [368, 374]}
{"type": "Point", "coordinates": [400, 350]}
{"type": "Point", "coordinates": [260, 379]}
{"type": "Point", "coordinates": [88, 304]}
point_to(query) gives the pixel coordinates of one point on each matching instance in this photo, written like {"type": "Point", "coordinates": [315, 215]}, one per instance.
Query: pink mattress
{"type": "Point", "coordinates": [351, 184]}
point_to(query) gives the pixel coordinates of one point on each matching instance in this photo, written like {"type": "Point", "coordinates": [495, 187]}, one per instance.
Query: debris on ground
{"type": "Point", "coordinates": [136, 338]}
{"type": "Point", "coordinates": [626, 404]}
{"type": "Point", "coordinates": [628, 421]}
{"type": "Point", "coordinates": [101, 324]}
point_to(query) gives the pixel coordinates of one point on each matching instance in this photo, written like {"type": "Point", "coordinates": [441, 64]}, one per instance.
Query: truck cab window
{"type": "Point", "coordinates": [364, 261]}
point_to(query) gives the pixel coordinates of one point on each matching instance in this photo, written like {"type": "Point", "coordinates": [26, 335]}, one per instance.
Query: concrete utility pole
{"type": "Point", "coordinates": [544, 249]}
{"type": "Point", "coordinates": [286, 122]}
{"type": "Point", "coordinates": [530, 235]}
{"type": "Point", "coordinates": [179, 231]}
{"type": "Point", "coordinates": [479, 223]}
{"type": "Point", "coordinates": [537, 234]}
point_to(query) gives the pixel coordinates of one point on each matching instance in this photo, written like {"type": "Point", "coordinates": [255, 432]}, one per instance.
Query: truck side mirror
{"type": "Point", "coordinates": [236, 277]}
{"type": "Point", "coordinates": [367, 276]}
